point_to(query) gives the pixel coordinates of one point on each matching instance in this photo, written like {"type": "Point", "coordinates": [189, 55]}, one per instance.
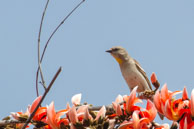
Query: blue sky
{"type": "Point", "coordinates": [159, 34]}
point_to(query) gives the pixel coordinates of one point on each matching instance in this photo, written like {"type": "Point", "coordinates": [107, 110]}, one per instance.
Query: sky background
{"type": "Point", "coordinates": [159, 34]}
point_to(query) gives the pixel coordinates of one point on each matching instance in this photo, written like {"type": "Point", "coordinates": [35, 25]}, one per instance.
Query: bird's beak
{"type": "Point", "coordinates": [109, 51]}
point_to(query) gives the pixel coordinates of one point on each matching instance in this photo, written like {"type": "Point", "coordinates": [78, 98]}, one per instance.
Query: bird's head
{"type": "Point", "coordinates": [119, 53]}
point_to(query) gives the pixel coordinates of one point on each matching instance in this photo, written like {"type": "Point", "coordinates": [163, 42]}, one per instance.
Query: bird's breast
{"type": "Point", "coordinates": [133, 77]}
{"type": "Point", "coordinates": [129, 73]}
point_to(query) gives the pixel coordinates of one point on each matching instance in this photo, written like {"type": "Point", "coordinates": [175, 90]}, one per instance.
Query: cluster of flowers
{"type": "Point", "coordinates": [180, 110]}
{"type": "Point", "coordinates": [126, 114]}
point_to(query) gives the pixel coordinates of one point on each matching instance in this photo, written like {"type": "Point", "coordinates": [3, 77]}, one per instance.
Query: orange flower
{"type": "Point", "coordinates": [150, 111]}
{"type": "Point", "coordinates": [131, 100]}
{"type": "Point", "coordinates": [53, 118]}
{"type": "Point", "coordinates": [40, 114]}
{"type": "Point", "coordinates": [164, 103]}
{"type": "Point", "coordinates": [176, 109]}
{"type": "Point", "coordinates": [136, 122]}
{"type": "Point", "coordinates": [192, 103]}
{"type": "Point", "coordinates": [140, 119]}
{"type": "Point", "coordinates": [187, 122]}
{"type": "Point", "coordinates": [34, 104]}
{"type": "Point", "coordinates": [29, 110]}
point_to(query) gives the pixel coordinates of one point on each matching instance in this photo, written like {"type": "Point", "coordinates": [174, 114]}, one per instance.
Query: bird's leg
{"type": "Point", "coordinates": [147, 94]}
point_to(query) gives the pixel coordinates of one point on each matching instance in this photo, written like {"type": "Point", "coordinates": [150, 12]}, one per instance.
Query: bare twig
{"type": "Point", "coordinates": [108, 107]}
{"type": "Point", "coordinates": [58, 28]}
{"type": "Point", "coordinates": [39, 62]}
{"type": "Point", "coordinates": [50, 39]}
{"type": "Point", "coordinates": [44, 95]}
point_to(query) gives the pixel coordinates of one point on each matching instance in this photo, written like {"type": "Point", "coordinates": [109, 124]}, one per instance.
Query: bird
{"type": "Point", "coordinates": [131, 70]}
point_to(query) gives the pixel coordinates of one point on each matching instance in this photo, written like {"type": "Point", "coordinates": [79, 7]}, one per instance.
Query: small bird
{"type": "Point", "coordinates": [132, 72]}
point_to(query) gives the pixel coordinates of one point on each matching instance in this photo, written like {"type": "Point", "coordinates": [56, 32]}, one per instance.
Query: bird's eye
{"type": "Point", "coordinates": [115, 49]}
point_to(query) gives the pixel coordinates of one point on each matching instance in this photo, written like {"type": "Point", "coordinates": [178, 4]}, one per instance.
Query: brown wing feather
{"type": "Point", "coordinates": [143, 73]}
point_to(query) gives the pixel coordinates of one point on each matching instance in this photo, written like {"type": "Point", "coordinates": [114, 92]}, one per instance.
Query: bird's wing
{"type": "Point", "coordinates": [142, 72]}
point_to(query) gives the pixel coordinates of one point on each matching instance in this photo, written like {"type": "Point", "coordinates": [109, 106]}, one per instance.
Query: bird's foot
{"type": "Point", "coordinates": [147, 94]}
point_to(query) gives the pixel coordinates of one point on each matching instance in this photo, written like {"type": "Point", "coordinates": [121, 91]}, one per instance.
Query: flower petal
{"type": "Point", "coordinates": [185, 95]}
{"type": "Point", "coordinates": [152, 110]}
{"type": "Point", "coordinates": [157, 101]}
{"type": "Point", "coordinates": [167, 110]}
{"type": "Point", "coordinates": [87, 115]}
{"type": "Point", "coordinates": [185, 123]}
{"type": "Point", "coordinates": [101, 113]}
{"type": "Point", "coordinates": [81, 112]}
{"type": "Point", "coordinates": [76, 99]}
{"type": "Point", "coordinates": [34, 104]}
{"type": "Point", "coordinates": [119, 111]}
{"type": "Point", "coordinates": [114, 105]}
{"type": "Point", "coordinates": [126, 125]}
{"type": "Point", "coordinates": [51, 116]}
{"type": "Point", "coordinates": [163, 126]}
{"type": "Point", "coordinates": [164, 93]}
{"type": "Point", "coordinates": [68, 106]}
{"type": "Point", "coordinates": [40, 114]}
{"type": "Point", "coordinates": [119, 99]}
{"type": "Point", "coordinates": [136, 120]}
{"type": "Point", "coordinates": [82, 108]}
{"type": "Point", "coordinates": [131, 100]}
{"type": "Point", "coordinates": [61, 113]}
{"type": "Point", "coordinates": [73, 115]}
{"type": "Point", "coordinates": [117, 108]}
{"type": "Point", "coordinates": [192, 103]}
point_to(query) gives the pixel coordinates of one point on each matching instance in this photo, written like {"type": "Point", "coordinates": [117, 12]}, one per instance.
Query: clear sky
{"type": "Point", "coordinates": [159, 34]}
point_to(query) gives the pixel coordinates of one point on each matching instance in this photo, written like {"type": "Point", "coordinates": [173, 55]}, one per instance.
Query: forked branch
{"type": "Point", "coordinates": [44, 95]}
{"type": "Point", "coordinates": [45, 47]}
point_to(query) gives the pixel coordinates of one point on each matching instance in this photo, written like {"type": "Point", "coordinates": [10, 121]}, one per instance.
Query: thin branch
{"type": "Point", "coordinates": [37, 73]}
{"type": "Point", "coordinates": [44, 95]}
{"type": "Point", "coordinates": [58, 28]}
{"type": "Point", "coordinates": [108, 107]}
{"type": "Point", "coordinates": [39, 62]}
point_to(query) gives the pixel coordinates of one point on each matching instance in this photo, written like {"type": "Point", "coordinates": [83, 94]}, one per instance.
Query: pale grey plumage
{"type": "Point", "coordinates": [132, 72]}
